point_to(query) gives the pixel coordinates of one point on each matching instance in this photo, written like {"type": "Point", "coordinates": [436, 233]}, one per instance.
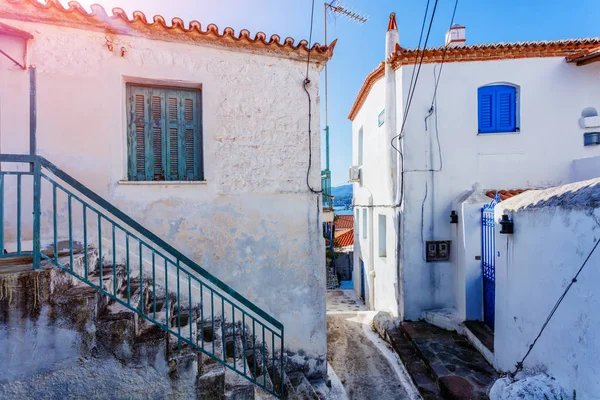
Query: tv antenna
{"type": "Point", "coordinates": [337, 9]}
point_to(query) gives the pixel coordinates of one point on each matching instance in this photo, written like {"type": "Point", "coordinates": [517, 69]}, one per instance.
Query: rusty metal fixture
{"type": "Point", "coordinates": [109, 44]}
{"type": "Point", "coordinates": [123, 51]}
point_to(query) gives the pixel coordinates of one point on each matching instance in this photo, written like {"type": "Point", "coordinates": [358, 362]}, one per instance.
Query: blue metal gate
{"type": "Point", "coordinates": [488, 261]}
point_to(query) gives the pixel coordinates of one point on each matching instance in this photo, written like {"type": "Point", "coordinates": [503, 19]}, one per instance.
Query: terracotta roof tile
{"type": "Point", "coordinates": [505, 194]}
{"type": "Point", "coordinates": [344, 238]}
{"type": "Point", "coordinates": [344, 222]}
{"type": "Point", "coordinates": [477, 52]}
{"type": "Point", "coordinates": [585, 57]}
{"type": "Point", "coordinates": [118, 22]}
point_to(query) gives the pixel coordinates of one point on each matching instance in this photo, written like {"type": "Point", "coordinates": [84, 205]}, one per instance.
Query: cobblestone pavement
{"type": "Point", "coordinates": [344, 301]}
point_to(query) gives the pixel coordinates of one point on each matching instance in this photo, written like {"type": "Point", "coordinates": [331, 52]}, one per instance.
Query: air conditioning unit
{"type": "Point", "coordinates": [355, 173]}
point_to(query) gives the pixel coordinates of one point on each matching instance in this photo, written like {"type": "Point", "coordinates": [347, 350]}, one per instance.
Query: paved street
{"type": "Point", "coordinates": [363, 366]}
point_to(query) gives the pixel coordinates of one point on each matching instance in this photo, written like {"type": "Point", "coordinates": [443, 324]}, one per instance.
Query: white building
{"type": "Point", "coordinates": [506, 116]}
{"type": "Point", "coordinates": [555, 231]}
{"type": "Point", "coordinates": [231, 194]}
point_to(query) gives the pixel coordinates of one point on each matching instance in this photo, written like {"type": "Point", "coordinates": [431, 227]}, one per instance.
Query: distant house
{"type": "Point", "coordinates": [198, 133]}
{"type": "Point", "coordinates": [496, 117]}
{"type": "Point", "coordinates": [342, 222]}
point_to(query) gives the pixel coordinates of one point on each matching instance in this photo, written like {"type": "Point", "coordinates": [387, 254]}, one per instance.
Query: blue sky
{"type": "Point", "coordinates": [361, 48]}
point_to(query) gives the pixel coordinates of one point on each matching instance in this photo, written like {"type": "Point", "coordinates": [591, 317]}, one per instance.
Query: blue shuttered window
{"type": "Point", "coordinates": [497, 109]}
{"type": "Point", "coordinates": [164, 134]}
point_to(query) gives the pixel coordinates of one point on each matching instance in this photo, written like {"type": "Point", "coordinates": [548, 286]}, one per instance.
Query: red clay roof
{"type": "Point", "coordinates": [585, 57]}
{"type": "Point", "coordinates": [344, 238]}
{"type": "Point", "coordinates": [505, 194]}
{"type": "Point", "coordinates": [477, 52]}
{"type": "Point", "coordinates": [344, 222]}
{"type": "Point", "coordinates": [76, 16]}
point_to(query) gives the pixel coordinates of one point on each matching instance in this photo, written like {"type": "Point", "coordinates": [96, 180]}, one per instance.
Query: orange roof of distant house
{"type": "Point", "coordinates": [477, 52]}
{"type": "Point", "coordinates": [344, 222]}
{"type": "Point", "coordinates": [76, 16]}
{"type": "Point", "coordinates": [344, 238]}
{"type": "Point", "coordinates": [505, 194]}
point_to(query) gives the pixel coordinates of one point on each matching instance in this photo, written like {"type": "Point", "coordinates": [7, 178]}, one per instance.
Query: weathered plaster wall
{"type": "Point", "coordinates": [555, 230]}
{"type": "Point", "coordinates": [253, 223]}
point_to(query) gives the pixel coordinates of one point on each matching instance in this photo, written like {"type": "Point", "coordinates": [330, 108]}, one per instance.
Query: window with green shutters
{"type": "Point", "coordinates": [164, 135]}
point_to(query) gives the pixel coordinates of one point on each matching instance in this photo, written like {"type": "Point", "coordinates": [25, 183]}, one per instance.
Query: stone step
{"type": "Point", "coordinates": [459, 370]}
{"type": "Point", "coordinates": [418, 371]}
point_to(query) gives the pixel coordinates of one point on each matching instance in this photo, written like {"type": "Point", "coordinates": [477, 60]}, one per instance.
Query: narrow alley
{"type": "Point", "coordinates": [367, 368]}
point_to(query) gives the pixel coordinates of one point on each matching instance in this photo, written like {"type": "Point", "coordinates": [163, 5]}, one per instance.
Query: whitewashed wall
{"type": "Point", "coordinates": [552, 96]}
{"type": "Point", "coordinates": [555, 230]}
{"type": "Point", "coordinates": [373, 195]}
{"type": "Point", "coordinates": [253, 223]}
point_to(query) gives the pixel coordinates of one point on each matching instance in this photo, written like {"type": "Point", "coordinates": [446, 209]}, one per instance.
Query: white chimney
{"type": "Point", "coordinates": [392, 36]}
{"type": "Point", "coordinates": [456, 36]}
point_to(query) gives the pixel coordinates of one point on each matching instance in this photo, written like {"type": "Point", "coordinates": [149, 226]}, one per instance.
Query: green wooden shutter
{"type": "Point", "coordinates": [157, 153]}
{"type": "Point", "coordinates": [138, 133]}
{"type": "Point", "coordinates": [164, 134]}
{"type": "Point", "coordinates": [172, 136]}
{"type": "Point", "coordinates": [189, 159]}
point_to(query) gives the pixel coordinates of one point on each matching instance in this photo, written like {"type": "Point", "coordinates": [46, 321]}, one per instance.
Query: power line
{"type": "Point", "coordinates": [443, 56]}
{"type": "Point", "coordinates": [411, 94]}
{"type": "Point", "coordinates": [306, 83]}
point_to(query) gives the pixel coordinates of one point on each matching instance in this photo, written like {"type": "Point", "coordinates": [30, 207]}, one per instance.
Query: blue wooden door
{"type": "Point", "coordinates": [488, 262]}
{"type": "Point", "coordinates": [362, 281]}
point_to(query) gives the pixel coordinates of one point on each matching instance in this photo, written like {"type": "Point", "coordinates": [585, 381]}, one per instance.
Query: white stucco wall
{"type": "Point", "coordinates": [374, 196]}
{"type": "Point", "coordinates": [554, 232]}
{"type": "Point", "coordinates": [585, 168]}
{"type": "Point", "coordinates": [466, 255]}
{"type": "Point", "coordinates": [552, 95]}
{"type": "Point", "coordinates": [253, 223]}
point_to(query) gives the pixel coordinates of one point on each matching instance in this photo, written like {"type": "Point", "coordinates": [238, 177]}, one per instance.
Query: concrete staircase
{"type": "Point", "coordinates": [121, 353]}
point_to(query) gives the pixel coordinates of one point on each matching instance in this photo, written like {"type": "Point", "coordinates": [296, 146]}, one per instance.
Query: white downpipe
{"type": "Point", "coordinates": [371, 303]}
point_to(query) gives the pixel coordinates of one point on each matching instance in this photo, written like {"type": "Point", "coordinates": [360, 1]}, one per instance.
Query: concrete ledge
{"type": "Point", "coordinates": [162, 183]}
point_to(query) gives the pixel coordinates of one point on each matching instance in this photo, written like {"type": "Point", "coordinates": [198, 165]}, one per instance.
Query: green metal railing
{"type": "Point", "coordinates": [326, 189]}
{"type": "Point", "coordinates": [173, 292]}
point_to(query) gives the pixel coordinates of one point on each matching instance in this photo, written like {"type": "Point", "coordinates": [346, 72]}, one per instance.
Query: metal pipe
{"type": "Point", "coordinates": [32, 113]}
{"type": "Point", "coordinates": [13, 60]}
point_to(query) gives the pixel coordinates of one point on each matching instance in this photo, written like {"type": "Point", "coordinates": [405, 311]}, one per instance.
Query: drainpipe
{"type": "Point", "coordinates": [371, 255]}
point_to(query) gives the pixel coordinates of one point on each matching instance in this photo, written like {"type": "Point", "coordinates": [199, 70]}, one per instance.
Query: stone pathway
{"type": "Point", "coordinates": [344, 301]}
{"type": "Point", "coordinates": [362, 364]}
{"type": "Point", "coordinates": [459, 369]}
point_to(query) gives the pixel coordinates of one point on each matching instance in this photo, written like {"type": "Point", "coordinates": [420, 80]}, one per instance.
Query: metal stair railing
{"type": "Point", "coordinates": [196, 296]}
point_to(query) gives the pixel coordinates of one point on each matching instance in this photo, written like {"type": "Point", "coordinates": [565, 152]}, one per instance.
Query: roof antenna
{"type": "Point", "coordinates": [333, 10]}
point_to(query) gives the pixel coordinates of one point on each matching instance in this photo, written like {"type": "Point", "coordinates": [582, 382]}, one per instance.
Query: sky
{"type": "Point", "coordinates": [360, 48]}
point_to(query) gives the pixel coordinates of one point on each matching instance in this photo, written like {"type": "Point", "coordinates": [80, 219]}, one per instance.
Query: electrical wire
{"type": "Point", "coordinates": [305, 86]}
{"type": "Point", "coordinates": [412, 92]}
{"type": "Point", "coordinates": [519, 365]}
{"type": "Point", "coordinates": [443, 56]}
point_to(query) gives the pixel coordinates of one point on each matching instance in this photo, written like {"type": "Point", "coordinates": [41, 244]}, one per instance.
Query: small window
{"type": "Point", "coordinates": [164, 138]}
{"type": "Point", "coordinates": [356, 220]}
{"type": "Point", "coordinates": [364, 227]}
{"type": "Point", "coordinates": [497, 109]}
{"type": "Point", "coordinates": [360, 146]}
{"type": "Point", "coordinates": [382, 236]}
{"type": "Point", "coordinates": [381, 118]}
